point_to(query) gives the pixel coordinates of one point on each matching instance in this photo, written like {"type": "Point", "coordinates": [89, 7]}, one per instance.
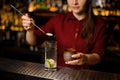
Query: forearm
{"type": "Point", "coordinates": [93, 58]}
{"type": "Point", "coordinates": [31, 38]}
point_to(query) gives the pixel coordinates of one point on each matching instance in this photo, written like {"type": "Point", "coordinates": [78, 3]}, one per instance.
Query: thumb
{"type": "Point", "coordinates": [27, 14]}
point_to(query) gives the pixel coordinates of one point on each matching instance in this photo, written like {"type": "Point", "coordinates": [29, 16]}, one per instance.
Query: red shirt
{"type": "Point", "coordinates": [64, 27]}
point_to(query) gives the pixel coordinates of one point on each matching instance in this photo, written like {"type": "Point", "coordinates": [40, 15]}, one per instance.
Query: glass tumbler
{"type": "Point", "coordinates": [50, 55]}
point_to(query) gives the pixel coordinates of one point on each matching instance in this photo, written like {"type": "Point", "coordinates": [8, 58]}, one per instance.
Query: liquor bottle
{"type": "Point", "coordinates": [43, 5]}
{"type": "Point", "coordinates": [53, 7]}
{"type": "Point", "coordinates": [31, 6]}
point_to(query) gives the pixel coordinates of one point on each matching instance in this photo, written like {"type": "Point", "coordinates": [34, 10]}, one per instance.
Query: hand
{"type": "Point", "coordinates": [79, 59]}
{"type": "Point", "coordinates": [27, 22]}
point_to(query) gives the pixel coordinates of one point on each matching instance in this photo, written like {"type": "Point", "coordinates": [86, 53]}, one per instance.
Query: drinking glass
{"type": "Point", "coordinates": [50, 55]}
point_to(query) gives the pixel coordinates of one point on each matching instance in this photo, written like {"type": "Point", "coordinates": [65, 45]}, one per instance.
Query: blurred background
{"type": "Point", "coordinates": [12, 34]}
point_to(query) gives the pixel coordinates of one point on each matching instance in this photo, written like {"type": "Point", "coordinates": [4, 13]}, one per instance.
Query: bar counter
{"type": "Point", "coordinates": [36, 70]}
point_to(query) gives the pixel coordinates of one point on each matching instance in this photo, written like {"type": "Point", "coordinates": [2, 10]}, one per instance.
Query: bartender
{"type": "Point", "coordinates": [78, 31]}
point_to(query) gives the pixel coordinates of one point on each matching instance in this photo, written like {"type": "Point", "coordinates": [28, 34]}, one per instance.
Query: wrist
{"type": "Point", "coordinates": [85, 60]}
{"type": "Point", "coordinates": [92, 59]}
{"type": "Point", "coordinates": [30, 31]}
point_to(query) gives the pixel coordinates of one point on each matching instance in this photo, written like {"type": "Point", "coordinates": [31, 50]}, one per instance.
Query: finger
{"type": "Point", "coordinates": [73, 62]}
{"type": "Point", "coordinates": [26, 22]}
{"type": "Point", "coordinates": [27, 14]}
{"type": "Point", "coordinates": [26, 17]}
{"type": "Point", "coordinates": [77, 55]}
{"type": "Point", "coordinates": [27, 27]}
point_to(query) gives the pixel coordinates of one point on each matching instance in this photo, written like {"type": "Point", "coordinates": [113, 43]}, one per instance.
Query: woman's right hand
{"type": "Point", "coordinates": [27, 23]}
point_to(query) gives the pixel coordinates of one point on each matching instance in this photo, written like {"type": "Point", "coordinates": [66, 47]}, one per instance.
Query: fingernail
{"type": "Point", "coordinates": [66, 62]}
{"type": "Point", "coordinates": [72, 56]}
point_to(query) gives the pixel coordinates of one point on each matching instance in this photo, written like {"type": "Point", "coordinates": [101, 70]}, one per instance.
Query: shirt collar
{"type": "Point", "coordinates": [72, 17]}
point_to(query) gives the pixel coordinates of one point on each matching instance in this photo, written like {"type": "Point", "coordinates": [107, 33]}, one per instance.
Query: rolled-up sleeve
{"type": "Point", "coordinates": [101, 38]}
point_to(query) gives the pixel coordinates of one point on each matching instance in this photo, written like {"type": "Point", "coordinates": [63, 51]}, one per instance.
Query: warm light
{"type": "Point", "coordinates": [95, 11]}
{"type": "Point", "coordinates": [69, 9]}
{"type": "Point", "coordinates": [118, 13]}
{"type": "Point", "coordinates": [53, 9]}
{"type": "Point", "coordinates": [104, 12]}
{"type": "Point", "coordinates": [2, 27]}
{"type": "Point", "coordinates": [15, 28]}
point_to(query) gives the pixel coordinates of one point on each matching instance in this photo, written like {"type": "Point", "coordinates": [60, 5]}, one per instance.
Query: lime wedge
{"type": "Point", "coordinates": [50, 63]}
{"type": "Point", "coordinates": [47, 63]}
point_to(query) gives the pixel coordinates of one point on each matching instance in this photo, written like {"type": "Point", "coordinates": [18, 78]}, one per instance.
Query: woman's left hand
{"type": "Point", "coordinates": [79, 59]}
